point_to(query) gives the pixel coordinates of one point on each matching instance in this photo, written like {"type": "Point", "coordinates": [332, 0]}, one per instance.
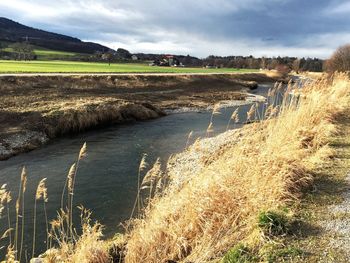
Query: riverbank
{"type": "Point", "coordinates": [232, 196]}
{"type": "Point", "coordinates": [36, 109]}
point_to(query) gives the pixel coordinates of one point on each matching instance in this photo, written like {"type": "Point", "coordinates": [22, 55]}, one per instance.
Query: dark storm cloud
{"type": "Point", "coordinates": [199, 27]}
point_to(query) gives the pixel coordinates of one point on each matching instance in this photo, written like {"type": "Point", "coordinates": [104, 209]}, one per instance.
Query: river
{"type": "Point", "coordinates": [107, 177]}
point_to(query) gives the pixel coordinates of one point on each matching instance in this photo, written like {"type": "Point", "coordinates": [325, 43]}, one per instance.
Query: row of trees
{"type": "Point", "coordinates": [20, 51]}
{"type": "Point", "coordinates": [293, 63]}
{"type": "Point", "coordinates": [112, 56]}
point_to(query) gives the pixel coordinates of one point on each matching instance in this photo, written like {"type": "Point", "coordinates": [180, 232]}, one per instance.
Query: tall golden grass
{"type": "Point", "coordinates": [267, 166]}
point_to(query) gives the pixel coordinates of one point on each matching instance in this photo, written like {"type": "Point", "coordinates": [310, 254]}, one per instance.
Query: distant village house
{"type": "Point", "coordinates": [167, 61]}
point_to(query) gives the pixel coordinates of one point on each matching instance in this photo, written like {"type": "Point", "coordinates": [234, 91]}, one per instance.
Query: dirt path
{"type": "Point", "coordinates": [322, 229]}
{"type": "Point", "coordinates": [338, 228]}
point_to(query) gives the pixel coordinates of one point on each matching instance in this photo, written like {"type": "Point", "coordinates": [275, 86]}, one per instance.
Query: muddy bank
{"type": "Point", "coordinates": [28, 131]}
{"type": "Point", "coordinates": [36, 109]}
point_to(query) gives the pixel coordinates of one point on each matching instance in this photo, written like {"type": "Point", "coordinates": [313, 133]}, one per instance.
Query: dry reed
{"type": "Point", "coordinates": [41, 193]}
{"type": "Point", "coordinates": [189, 137]}
{"type": "Point", "coordinates": [22, 189]}
{"type": "Point", "coordinates": [263, 168]}
{"type": "Point", "coordinates": [143, 165]}
{"type": "Point", "coordinates": [234, 117]}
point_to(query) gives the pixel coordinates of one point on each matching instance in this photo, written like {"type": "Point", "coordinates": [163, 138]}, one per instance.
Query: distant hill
{"type": "Point", "coordinates": [11, 31]}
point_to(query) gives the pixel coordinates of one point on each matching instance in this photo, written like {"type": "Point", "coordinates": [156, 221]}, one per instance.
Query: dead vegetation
{"type": "Point", "coordinates": [217, 206]}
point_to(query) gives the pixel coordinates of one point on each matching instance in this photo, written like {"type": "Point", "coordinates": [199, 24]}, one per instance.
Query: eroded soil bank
{"type": "Point", "coordinates": [35, 109]}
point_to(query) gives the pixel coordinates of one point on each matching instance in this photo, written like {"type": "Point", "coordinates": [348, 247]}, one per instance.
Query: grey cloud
{"type": "Point", "coordinates": [201, 27]}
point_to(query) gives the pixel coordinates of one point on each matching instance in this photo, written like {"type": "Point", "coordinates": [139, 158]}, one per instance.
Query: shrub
{"type": "Point", "coordinates": [340, 60]}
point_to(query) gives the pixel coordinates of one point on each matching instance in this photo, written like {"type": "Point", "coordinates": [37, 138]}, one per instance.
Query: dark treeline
{"type": "Point", "coordinates": [250, 62]}
{"type": "Point", "coordinates": [245, 62]}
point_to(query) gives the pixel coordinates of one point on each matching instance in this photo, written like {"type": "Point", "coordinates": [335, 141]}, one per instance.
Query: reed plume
{"type": "Point", "coordinates": [189, 137]}
{"type": "Point", "coordinates": [5, 199]}
{"type": "Point", "coordinates": [82, 154]}
{"type": "Point", "coordinates": [251, 113]}
{"type": "Point", "coordinates": [68, 179]}
{"type": "Point", "coordinates": [3, 196]}
{"type": "Point", "coordinates": [10, 255]}
{"type": "Point", "coordinates": [41, 193]}
{"type": "Point", "coordinates": [24, 186]}
{"type": "Point", "coordinates": [234, 117]}
{"type": "Point", "coordinates": [210, 129]}
{"type": "Point", "coordinates": [216, 111]}
{"type": "Point", "coordinates": [152, 177]}
{"type": "Point", "coordinates": [142, 166]}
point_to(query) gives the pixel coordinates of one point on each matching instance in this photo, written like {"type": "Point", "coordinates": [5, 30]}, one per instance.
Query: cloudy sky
{"type": "Point", "coordinates": [311, 28]}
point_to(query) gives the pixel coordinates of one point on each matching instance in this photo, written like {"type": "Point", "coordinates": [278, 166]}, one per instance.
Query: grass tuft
{"type": "Point", "coordinates": [272, 223]}
{"type": "Point", "coordinates": [239, 254]}
{"type": "Point", "coordinates": [285, 254]}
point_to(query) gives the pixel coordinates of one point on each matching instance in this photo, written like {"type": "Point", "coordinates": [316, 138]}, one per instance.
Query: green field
{"type": "Point", "coordinates": [47, 54]}
{"type": "Point", "coordinates": [7, 66]}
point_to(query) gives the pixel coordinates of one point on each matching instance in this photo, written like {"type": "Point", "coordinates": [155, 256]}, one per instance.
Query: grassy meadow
{"type": "Point", "coordinates": [44, 54]}
{"type": "Point", "coordinates": [232, 204]}
{"type": "Point", "coordinates": [94, 67]}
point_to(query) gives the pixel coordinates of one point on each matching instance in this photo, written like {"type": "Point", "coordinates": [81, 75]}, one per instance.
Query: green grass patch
{"type": "Point", "coordinates": [94, 67]}
{"type": "Point", "coordinates": [273, 223]}
{"type": "Point", "coordinates": [239, 254]}
{"type": "Point", "coordinates": [47, 54]}
{"type": "Point", "coordinates": [52, 54]}
{"type": "Point", "coordinates": [283, 254]}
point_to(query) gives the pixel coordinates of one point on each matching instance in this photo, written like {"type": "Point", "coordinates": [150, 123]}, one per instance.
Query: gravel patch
{"type": "Point", "coordinates": [181, 167]}
{"type": "Point", "coordinates": [21, 142]}
{"type": "Point", "coordinates": [338, 226]}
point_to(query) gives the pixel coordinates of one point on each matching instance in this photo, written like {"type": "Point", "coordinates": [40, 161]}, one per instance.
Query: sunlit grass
{"type": "Point", "coordinates": [94, 67]}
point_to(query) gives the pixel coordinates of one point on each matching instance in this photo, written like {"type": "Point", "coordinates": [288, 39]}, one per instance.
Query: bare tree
{"type": "Point", "coordinates": [108, 56]}
{"type": "Point", "coordinates": [340, 60]}
{"type": "Point", "coordinates": [24, 51]}
{"type": "Point", "coordinates": [296, 65]}
{"type": "Point", "coordinates": [263, 63]}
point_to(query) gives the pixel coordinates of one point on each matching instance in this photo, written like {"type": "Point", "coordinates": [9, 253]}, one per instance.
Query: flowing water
{"type": "Point", "coordinates": [106, 181]}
